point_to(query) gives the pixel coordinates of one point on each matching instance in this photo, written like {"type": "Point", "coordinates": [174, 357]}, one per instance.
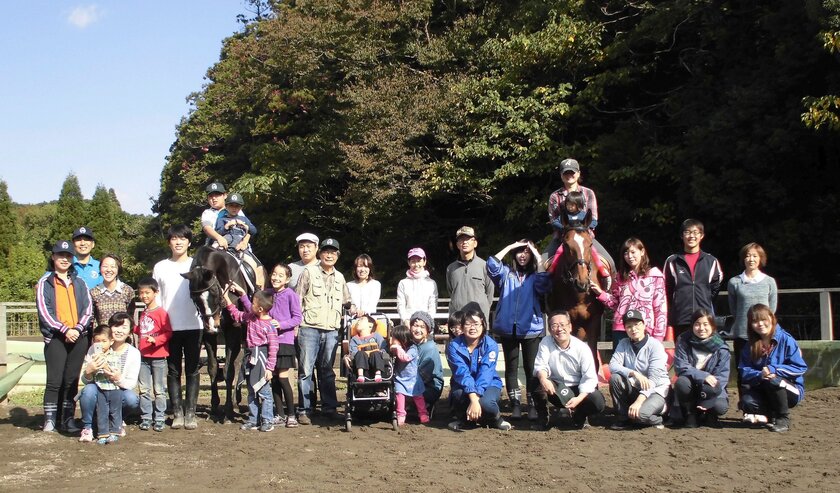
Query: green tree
{"type": "Point", "coordinates": [70, 211]}
{"type": "Point", "coordinates": [8, 224]}
{"type": "Point", "coordinates": [105, 218]}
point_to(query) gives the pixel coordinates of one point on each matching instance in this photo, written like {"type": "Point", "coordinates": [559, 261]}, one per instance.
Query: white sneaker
{"type": "Point", "coordinates": [87, 435]}
{"type": "Point", "coordinates": [760, 419]}
{"type": "Point", "coordinates": [749, 418]}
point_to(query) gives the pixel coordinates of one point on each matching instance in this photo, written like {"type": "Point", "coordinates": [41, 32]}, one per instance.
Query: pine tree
{"type": "Point", "coordinates": [70, 213]}
{"type": "Point", "coordinates": [105, 219]}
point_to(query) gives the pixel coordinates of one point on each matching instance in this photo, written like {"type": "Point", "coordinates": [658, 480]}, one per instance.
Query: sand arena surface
{"type": "Point", "coordinates": [323, 457]}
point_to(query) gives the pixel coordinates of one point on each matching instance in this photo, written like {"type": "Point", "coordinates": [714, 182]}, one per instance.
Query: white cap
{"type": "Point", "coordinates": [307, 237]}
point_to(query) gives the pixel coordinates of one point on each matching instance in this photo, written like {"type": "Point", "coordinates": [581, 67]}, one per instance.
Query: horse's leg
{"type": "Point", "coordinates": [211, 342]}
{"type": "Point", "coordinates": [233, 348]}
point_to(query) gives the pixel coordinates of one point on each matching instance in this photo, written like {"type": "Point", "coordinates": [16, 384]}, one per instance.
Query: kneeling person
{"type": "Point", "coordinates": [566, 372]}
{"type": "Point", "coordinates": [639, 383]}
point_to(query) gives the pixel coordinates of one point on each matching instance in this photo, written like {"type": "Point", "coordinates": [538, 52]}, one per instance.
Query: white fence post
{"type": "Point", "coordinates": [826, 320]}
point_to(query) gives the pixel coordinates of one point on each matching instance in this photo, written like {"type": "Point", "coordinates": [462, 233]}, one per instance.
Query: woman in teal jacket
{"type": "Point", "coordinates": [519, 319]}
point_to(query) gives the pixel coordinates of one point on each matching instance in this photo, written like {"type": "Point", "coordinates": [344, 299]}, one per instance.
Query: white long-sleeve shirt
{"type": "Point", "coordinates": [365, 296]}
{"type": "Point", "coordinates": [574, 366]}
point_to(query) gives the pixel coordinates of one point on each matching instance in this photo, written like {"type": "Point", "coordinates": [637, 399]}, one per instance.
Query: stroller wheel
{"type": "Point", "coordinates": [348, 426]}
{"type": "Point", "coordinates": [394, 424]}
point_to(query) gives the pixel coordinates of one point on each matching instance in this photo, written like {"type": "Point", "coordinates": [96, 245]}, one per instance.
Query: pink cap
{"type": "Point", "coordinates": [416, 252]}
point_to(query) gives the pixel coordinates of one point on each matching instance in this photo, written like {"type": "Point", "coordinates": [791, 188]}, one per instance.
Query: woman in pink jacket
{"type": "Point", "coordinates": [639, 287]}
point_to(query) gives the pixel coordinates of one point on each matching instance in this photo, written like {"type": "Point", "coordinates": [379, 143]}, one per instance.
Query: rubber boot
{"type": "Point", "coordinates": [174, 385]}
{"type": "Point", "coordinates": [190, 402]}
{"type": "Point", "coordinates": [68, 420]}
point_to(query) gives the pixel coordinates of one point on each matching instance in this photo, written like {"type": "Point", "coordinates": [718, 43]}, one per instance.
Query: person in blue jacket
{"type": "Point", "coordinates": [519, 320]}
{"type": "Point", "coordinates": [475, 385]}
{"type": "Point", "coordinates": [772, 371]}
{"type": "Point", "coordinates": [701, 363]}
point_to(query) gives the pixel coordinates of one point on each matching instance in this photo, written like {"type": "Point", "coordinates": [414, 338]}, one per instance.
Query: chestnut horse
{"type": "Point", "coordinates": [574, 274]}
{"type": "Point", "coordinates": [210, 276]}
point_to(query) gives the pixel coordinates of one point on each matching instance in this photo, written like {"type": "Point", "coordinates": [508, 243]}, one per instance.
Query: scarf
{"type": "Point", "coordinates": [707, 345]}
{"type": "Point", "coordinates": [420, 275]}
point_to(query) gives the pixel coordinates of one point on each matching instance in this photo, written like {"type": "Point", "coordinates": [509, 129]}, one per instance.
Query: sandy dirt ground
{"type": "Point", "coordinates": [324, 457]}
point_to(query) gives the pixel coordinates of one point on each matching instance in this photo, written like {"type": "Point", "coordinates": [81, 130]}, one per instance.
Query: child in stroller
{"type": "Point", "coordinates": [368, 350]}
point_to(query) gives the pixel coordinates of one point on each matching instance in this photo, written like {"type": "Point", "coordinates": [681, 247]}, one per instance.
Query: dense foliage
{"type": "Point", "coordinates": [28, 232]}
{"type": "Point", "coordinates": [391, 123]}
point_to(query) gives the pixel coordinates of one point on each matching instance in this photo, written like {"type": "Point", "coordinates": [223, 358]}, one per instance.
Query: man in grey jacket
{"type": "Point", "coordinates": [466, 278]}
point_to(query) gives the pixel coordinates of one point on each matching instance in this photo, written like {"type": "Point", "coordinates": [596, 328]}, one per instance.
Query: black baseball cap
{"type": "Point", "coordinates": [633, 315]}
{"type": "Point", "coordinates": [63, 246]}
{"type": "Point", "coordinates": [83, 231]}
{"type": "Point", "coordinates": [215, 187]}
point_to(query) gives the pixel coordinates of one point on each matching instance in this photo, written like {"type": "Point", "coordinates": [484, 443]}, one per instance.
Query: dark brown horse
{"type": "Point", "coordinates": [574, 274]}
{"type": "Point", "coordinates": [210, 277]}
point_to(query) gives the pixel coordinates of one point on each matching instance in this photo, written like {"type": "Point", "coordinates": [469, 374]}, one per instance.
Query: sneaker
{"type": "Point", "coordinates": [49, 426]}
{"type": "Point", "coordinates": [760, 419]}
{"type": "Point", "coordinates": [781, 425]}
{"type": "Point", "coordinates": [332, 415]}
{"type": "Point", "coordinates": [360, 379]}
{"type": "Point", "coordinates": [377, 377]}
{"type": "Point", "coordinates": [516, 411]}
{"type": "Point", "coordinates": [87, 435]}
{"type": "Point", "coordinates": [541, 424]}
{"type": "Point", "coordinates": [455, 425]}
{"type": "Point", "coordinates": [291, 422]}
{"type": "Point", "coordinates": [690, 420]}
{"type": "Point", "coordinates": [159, 426]}
{"type": "Point", "coordinates": [266, 426]}
{"type": "Point", "coordinates": [145, 425]}
{"type": "Point", "coordinates": [121, 433]}
{"type": "Point", "coordinates": [102, 441]}
{"type": "Point", "coordinates": [304, 419]}
{"type": "Point", "coordinates": [279, 419]}
{"type": "Point", "coordinates": [401, 420]}
{"type": "Point", "coordinates": [749, 418]}
{"type": "Point", "coordinates": [502, 425]}
{"type": "Point", "coordinates": [113, 438]}
{"type": "Point", "coordinates": [581, 426]}
{"type": "Point", "coordinates": [660, 426]}
{"type": "Point", "coordinates": [424, 418]}
{"type": "Point", "coordinates": [622, 424]}
{"type": "Point", "coordinates": [248, 426]}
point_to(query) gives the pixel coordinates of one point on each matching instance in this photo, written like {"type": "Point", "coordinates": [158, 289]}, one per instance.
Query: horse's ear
{"type": "Point", "coordinates": [588, 219]}
{"type": "Point", "coordinates": [187, 275]}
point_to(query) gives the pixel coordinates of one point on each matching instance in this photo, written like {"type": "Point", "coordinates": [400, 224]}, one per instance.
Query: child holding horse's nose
{"type": "Point", "coordinates": [263, 343]}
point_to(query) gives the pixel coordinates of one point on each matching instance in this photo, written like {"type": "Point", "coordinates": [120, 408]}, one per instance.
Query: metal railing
{"type": "Point", "coordinates": [812, 319]}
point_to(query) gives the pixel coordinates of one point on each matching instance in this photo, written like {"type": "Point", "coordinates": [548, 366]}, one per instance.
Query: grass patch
{"type": "Point", "coordinates": [25, 398]}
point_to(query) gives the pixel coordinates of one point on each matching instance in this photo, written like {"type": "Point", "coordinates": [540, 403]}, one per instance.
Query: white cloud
{"type": "Point", "coordinates": [83, 16]}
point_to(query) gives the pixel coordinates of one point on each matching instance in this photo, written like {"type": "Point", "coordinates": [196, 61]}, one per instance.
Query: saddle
{"type": "Point", "coordinates": [248, 272]}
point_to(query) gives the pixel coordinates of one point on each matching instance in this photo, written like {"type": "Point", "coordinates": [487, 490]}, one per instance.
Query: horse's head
{"type": "Point", "coordinates": [577, 250]}
{"type": "Point", "coordinates": [206, 293]}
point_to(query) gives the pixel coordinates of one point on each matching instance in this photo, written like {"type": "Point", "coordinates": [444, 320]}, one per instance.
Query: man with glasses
{"type": "Point", "coordinates": [566, 373]}
{"type": "Point", "coordinates": [323, 293]}
{"type": "Point", "coordinates": [466, 278]}
{"type": "Point", "coordinates": [692, 278]}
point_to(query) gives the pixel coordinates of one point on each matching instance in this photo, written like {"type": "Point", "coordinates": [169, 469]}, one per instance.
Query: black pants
{"type": "Point", "coordinates": [374, 361]}
{"type": "Point", "coordinates": [184, 346]}
{"type": "Point", "coordinates": [594, 403]}
{"type": "Point", "coordinates": [510, 347]}
{"type": "Point", "coordinates": [64, 364]}
{"type": "Point", "coordinates": [689, 395]}
{"type": "Point", "coordinates": [768, 399]}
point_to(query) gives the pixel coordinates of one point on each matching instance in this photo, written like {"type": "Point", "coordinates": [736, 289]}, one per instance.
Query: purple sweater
{"type": "Point", "coordinates": [286, 311]}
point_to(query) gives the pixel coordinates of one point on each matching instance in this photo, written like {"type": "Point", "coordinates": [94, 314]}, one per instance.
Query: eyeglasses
{"type": "Point", "coordinates": [557, 326]}
{"type": "Point", "coordinates": [471, 324]}
{"type": "Point", "coordinates": [692, 232]}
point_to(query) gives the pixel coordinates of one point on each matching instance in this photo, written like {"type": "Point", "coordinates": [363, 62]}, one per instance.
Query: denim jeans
{"type": "Point", "coordinates": [108, 412]}
{"type": "Point", "coordinates": [265, 406]}
{"type": "Point", "coordinates": [87, 401]}
{"type": "Point", "coordinates": [152, 381]}
{"type": "Point", "coordinates": [489, 403]}
{"type": "Point", "coordinates": [317, 352]}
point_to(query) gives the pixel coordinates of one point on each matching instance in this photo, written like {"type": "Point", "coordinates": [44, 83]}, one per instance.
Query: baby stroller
{"type": "Point", "coordinates": [369, 398]}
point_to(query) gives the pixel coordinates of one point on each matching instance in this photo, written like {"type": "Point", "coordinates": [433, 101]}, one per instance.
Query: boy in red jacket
{"type": "Point", "coordinates": [154, 331]}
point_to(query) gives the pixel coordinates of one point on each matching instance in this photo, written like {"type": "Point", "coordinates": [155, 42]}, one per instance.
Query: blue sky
{"type": "Point", "coordinates": [97, 88]}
